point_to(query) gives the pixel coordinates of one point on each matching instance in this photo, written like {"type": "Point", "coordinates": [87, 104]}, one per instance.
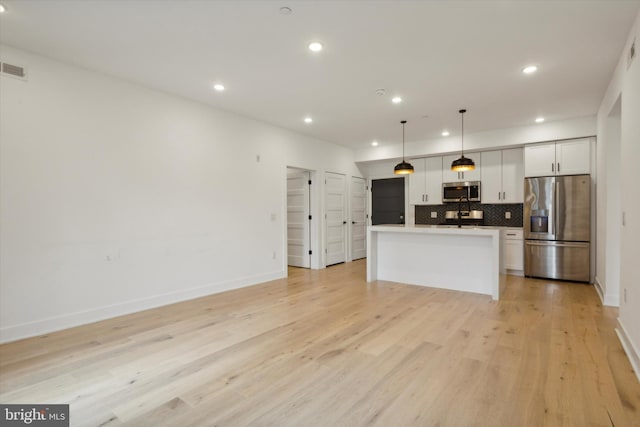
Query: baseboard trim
{"type": "Point", "coordinates": [58, 323]}
{"type": "Point", "coordinates": [607, 300]}
{"type": "Point", "coordinates": [629, 348]}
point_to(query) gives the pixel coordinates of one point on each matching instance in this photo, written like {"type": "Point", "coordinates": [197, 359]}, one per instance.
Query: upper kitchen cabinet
{"type": "Point", "coordinates": [450, 176]}
{"type": "Point", "coordinates": [425, 184]}
{"type": "Point", "coordinates": [572, 157]}
{"type": "Point", "coordinates": [502, 176]}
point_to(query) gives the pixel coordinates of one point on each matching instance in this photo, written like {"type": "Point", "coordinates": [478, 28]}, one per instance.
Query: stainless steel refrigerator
{"type": "Point", "coordinates": [557, 227]}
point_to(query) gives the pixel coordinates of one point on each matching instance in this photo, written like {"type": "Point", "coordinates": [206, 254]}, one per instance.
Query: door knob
{"type": "Point", "coordinates": [353, 222]}
{"type": "Point", "coordinates": [344, 222]}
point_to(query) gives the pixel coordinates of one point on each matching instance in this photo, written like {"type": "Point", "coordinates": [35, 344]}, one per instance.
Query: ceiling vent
{"type": "Point", "coordinates": [13, 71]}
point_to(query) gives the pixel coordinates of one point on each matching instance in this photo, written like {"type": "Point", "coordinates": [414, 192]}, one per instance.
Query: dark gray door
{"type": "Point", "coordinates": [387, 201]}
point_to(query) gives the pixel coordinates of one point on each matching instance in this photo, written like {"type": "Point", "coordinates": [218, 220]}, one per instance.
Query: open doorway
{"type": "Point", "coordinates": [298, 218]}
{"type": "Point", "coordinates": [387, 201]}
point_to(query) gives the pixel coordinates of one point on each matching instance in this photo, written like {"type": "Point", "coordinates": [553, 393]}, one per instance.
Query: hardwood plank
{"type": "Point", "coordinates": [323, 347]}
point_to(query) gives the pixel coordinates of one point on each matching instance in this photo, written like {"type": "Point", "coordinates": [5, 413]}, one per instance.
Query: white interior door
{"type": "Point", "coordinates": [358, 218]}
{"type": "Point", "coordinates": [298, 240]}
{"type": "Point", "coordinates": [335, 218]}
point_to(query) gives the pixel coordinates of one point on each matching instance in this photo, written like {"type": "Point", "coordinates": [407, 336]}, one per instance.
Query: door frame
{"type": "Point", "coordinates": [315, 243]}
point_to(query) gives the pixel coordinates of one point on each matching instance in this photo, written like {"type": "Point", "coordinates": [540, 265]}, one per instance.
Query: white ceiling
{"type": "Point", "coordinates": [438, 56]}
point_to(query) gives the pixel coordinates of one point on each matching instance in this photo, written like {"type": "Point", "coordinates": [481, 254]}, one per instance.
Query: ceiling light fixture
{"type": "Point", "coordinates": [219, 87]}
{"type": "Point", "coordinates": [540, 120]}
{"type": "Point", "coordinates": [2, 8]}
{"type": "Point", "coordinates": [374, 143]}
{"type": "Point", "coordinates": [285, 10]}
{"type": "Point", "coordinates": [529, 69]}
{"type": "Point", "coordinates": [396, 100]}
{"type": "Point", "coordinates": [308, 120]}
{"type": "Point", "coordinates": [463, 163]}
{"type": "Point", "coordinates": [445, 133]}
{"type": "Point", "coordinates": [403, 168]}
{"type": "Point", "coordinates": [315, 46]}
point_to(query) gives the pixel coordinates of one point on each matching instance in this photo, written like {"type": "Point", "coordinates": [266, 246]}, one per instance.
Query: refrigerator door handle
{"type": "Point", "coordinates": [555, 243]}
{"type": "Point", "coordinates": [553, 215]}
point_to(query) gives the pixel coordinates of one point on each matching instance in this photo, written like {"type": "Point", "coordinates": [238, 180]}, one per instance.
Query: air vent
{"type": "Point", "coordinates": [13, 71]}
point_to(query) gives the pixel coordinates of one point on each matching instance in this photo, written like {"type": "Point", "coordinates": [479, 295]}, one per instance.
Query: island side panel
{"type": "Point", "coordinates": [460, 262]}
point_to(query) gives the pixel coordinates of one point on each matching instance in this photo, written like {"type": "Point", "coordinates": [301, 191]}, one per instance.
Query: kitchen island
{"type": "Point", "coordinates": [462, 259]}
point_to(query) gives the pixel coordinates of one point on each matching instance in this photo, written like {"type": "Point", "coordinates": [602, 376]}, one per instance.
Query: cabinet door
{"type": "Point", "coordinates": [491, 190]}
{"type": "Point", "coordinates": [540, 159]}
{"type": "Point", "coordinates": [573, 157]}
{"type": "Point", "coordinates": [512, 245]}
{"type": "Point", "coordinates": [433, 193]}
{"type": "Point", "coordinates": [514, 254]}
{"type": "Point", "coordinates": [417, 182]}
{"type": "Point", "coordinates": [512, 176]}
{"type": "Point", "coordinates": [450, 176]}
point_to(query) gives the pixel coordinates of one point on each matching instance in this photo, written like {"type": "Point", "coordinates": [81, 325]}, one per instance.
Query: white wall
{"type": "Point", "coordinates": [624, 86]}
{"type": "Point", "coordinates": [115, 197]}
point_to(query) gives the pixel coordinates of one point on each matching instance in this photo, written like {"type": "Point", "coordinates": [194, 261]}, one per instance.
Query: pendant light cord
{"type": "Point", "coordinates": [462, 131]}
{"type": "Point", "coordinates": [403, 122]}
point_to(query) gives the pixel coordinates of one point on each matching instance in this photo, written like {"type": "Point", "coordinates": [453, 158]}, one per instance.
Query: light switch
{"type": "Point", "coordinates": [434, 214]}
{"type": "Point", "coordinates": [507, 215]}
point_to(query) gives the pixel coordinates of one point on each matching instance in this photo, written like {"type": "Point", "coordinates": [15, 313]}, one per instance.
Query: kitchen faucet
{"type": "Point", "coordinates": [460, 209]}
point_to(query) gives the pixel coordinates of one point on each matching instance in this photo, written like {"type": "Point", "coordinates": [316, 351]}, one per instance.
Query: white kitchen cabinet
{"type": "Point", "coordinates": [425, 184]}
{"type": "Point", "coordinates": [512, 243]}
{"type": "Point", "coordinates": [502, 176]}
{"type": "Point", "coordinates": [570, 157]}
{"type": "Point", "coordinates": [450, 176]}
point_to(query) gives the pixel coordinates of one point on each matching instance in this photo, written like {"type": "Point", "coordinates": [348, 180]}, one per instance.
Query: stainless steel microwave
{"type": "Point", "coordinates": [461, 191]}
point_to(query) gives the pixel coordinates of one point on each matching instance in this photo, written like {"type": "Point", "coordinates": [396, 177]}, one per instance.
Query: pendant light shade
{"type": "Point", "coordinates": [463, 163]}
{"type": "Point", "coordinates": [403, 168]}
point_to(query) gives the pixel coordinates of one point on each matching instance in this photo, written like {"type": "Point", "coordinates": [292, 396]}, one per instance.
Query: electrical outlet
{"type": "Point", "coordinates": [258, 158]}
{"type": "Point", "coordinates": [434, 214]}
{"type": "Point", "coordinates": [274, 217]}
{"type": "Point", "coordinates": [507, 215]}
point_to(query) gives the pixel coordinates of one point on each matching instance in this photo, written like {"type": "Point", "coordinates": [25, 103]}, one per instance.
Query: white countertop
{"type": "Point", "coordinates": [438, 229]}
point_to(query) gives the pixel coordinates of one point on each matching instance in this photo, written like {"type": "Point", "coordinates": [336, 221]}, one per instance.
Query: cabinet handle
{"type": "Point", "coordinates": [558, 167]}
{"type": "Point", "coordinates": [553, 167]}
{"type": "Point", "coordinates": [499, 196]}
{"type": "Point", "coordinates": [426, 196]}
{"type": "Point", "coordinates": [504, 196]}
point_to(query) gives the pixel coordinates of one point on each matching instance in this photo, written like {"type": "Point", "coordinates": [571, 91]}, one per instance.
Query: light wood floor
{"type": "Point", "coordinates": [323, 348]}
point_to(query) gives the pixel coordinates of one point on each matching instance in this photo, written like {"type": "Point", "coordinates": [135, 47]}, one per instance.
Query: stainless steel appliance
{"type": "Point", "coordinates": [468, 191]}
{"type": "Point", "coordinates": [557, 227]}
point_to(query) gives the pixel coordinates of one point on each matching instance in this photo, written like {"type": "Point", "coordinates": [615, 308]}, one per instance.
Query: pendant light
{"type": "Point", "coordinates": [403, 168]}
{"type": "Point", "coordinates": [463, 163]}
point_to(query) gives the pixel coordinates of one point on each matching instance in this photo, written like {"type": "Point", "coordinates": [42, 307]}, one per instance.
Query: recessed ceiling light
{"type": "Point", "coordinates": [374, 143]}
{"type": "Point", "coordinates": [445, 133]}
{"type": "Point", "coordinates": [308, 119]}
{"type": "Point", "coordinates": [396, 100]}
{"type": "Point", "coordinates": [285, 10]}
{"type": "Point", "coordinates": [219, 87]}
{"type": "Point", "coordinates": [2, 8]}
{"type": "Point", "coordinates": [540, 120]}
{"type": "Point", "coordinates": [315, 46]}
{"type": "Point", "coordinates": [530, 69]}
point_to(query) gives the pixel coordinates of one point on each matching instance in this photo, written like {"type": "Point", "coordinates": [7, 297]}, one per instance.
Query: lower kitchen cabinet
{"type": "Point", "coordinates": [512, 253]}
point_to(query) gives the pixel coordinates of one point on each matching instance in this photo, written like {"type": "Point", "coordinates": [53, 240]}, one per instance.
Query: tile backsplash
{"type": "Point", "coordinates": [494, 215]}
